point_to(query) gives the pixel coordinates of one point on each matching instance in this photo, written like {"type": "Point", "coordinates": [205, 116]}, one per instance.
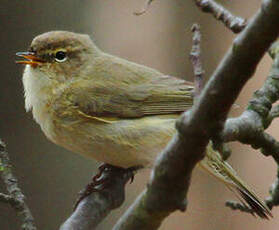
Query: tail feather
{"type": "Point", "coordinates": [256, 206]}
{"type": "Point", "coordinates": [220, 169]}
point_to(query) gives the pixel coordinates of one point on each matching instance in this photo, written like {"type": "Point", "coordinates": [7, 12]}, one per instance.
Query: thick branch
{"type": "Point", "coordinates": [15, 198]}
{"type": "Point", "coordinates": [167, 189]}
{"type": "Point", "coordinates": [171, 176]}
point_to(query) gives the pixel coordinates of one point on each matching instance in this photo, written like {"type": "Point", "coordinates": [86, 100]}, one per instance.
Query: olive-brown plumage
{"type": "Point", "coordinates": [110, 109]}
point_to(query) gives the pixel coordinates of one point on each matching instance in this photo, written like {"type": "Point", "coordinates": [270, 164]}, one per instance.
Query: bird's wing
{"type": "Point", "coordinates": [160, 95]}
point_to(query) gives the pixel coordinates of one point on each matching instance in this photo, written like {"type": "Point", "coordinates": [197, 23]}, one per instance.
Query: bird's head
{"type": "Point", "coordinates": [60, 55]}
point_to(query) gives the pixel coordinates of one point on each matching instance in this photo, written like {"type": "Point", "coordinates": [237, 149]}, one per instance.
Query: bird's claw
{"type": "Point", "coordinates": [103, 179]}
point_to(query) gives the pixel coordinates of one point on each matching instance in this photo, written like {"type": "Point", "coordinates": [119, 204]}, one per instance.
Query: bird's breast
{"type": "Point", "coordinates": [38, 92]}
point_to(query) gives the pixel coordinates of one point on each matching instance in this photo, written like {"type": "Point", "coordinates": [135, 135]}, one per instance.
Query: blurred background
{"type": "Point", "coordinates": [50, 176]}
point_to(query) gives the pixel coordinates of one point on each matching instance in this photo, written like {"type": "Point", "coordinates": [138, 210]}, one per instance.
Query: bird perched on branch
{"type": "Point", "coordinates": [110, 109]}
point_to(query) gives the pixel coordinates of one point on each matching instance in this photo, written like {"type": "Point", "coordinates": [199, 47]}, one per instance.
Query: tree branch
{"type": "Point", "coordinates": [234, 23]}
{"type": "Point", "coordinates": [15, 198]}
{"type": "Point", "coordinates": [166, 191]}
{"type": "Point", "coordinates": [273, 199]}
{"type": "Point", "coordinates": [8, 199]}
{"type": "Point", "coordinates": [274, 113]}
{"type": "Point", "coordinates": [249, 127]}
{"type": "Point", "coordinates": [171, 175]}
{"type": "Point", "coordinates": [95, 207]}
{"type": "Point", "coordinates": [196, 61]}
{"type": "Point", "coordinates": [144, 8]}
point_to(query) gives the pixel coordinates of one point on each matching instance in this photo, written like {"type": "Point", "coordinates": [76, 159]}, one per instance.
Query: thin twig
{"type": "Point", "coordinates": [144, 8]}
{"type": "Point", "coordinates": [195, 57]}
{"type": "Point", "coordinates": [15, 198]}
{"type": "Point", "coordinates": [273, 199]}
{"type": "Point", "coordinates": [238, 206]}
{"type": "Point", "coordinates": [234, 23]}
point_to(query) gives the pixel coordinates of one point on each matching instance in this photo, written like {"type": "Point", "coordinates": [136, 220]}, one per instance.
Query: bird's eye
{"type": "Point", "coordinates": [60, 56]}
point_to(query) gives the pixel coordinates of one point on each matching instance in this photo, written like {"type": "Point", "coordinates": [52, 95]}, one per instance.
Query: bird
{"type": "Point", "coordinates": [110, 109]}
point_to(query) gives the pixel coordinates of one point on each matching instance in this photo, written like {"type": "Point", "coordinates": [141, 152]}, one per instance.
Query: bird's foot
{"type": "Point", "coordinates": [107, 175]}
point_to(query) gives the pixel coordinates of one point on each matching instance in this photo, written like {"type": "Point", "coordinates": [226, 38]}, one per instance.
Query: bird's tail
{"type": "Point", "coordinates": [216, 166]}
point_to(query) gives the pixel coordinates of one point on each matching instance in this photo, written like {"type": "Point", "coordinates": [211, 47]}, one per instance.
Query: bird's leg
{"type": "Point", "coordinates": [107, 175]}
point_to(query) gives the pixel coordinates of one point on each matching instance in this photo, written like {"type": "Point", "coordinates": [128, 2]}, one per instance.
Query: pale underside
{"type": "Point", "coordinates": [124, 143]}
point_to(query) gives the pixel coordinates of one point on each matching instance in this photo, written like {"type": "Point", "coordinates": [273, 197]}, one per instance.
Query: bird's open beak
{"type": "Point", "coordinates": [31, 58]}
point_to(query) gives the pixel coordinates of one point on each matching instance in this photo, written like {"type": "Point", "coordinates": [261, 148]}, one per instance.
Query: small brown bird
{"type": "Point", "coordinates": [110, 109]}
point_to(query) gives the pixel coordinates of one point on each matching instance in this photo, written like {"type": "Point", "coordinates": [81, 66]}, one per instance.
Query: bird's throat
{"type": "Point", "coordinates": [36, 87]}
